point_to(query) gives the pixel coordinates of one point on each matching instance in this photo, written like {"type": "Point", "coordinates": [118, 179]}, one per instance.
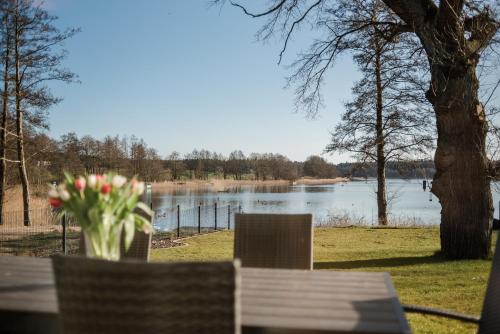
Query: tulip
{"type": "Point", "coordinates": [80, 184]}
{"type": "Point", "coordinates": [118, 181]}
{"type": "Point", "coordinates": [92, 181]}
{"type": "Point", "coordinates": [53, 193]}
{"type": "Point", "coordinates": [64, 195]}
{"type": "Point", "coordinates": [106, 188]}
{"type": "Point", "coordinates": [138, 187]}
{"type": "Point", "coordinates": [55, 202]}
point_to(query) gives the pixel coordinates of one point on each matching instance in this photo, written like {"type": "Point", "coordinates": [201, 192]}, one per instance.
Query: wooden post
{"type": "Point", "coordinates": [199, 219]}
{"type": "Point", "coordinates": [178, 221]}
{"type": "Point", "coordinates": [63, 221]}
{"type": "Point", "coordinates": [215, 227]}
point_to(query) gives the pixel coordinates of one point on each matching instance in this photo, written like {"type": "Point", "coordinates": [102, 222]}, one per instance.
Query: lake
{"type": "Point", "coordinates": [408, 202]}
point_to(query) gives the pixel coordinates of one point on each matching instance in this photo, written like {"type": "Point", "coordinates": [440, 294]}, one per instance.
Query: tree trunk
{"type": "Point", "coordinates": [381, 191]}
{"type": "Point", "coordinates": [462, 180]}
{"type": "Point", "coordinates": [3, 130]}
{"type": "Point", "coordinates": [20, 135]}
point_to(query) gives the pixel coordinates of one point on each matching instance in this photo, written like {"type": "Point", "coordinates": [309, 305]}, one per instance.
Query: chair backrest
{"type": "Point", "coordinates": [490, 316]}
{"type": "Point", "coordinates": [139, 249]}
{"type": "Point", "coordinates": [97, 296]}
{"type": "Point", "coordinates": [274, 241]}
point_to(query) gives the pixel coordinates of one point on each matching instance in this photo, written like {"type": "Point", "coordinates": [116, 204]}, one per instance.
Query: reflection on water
{"type": "Point", "coordinates": [407, 200]}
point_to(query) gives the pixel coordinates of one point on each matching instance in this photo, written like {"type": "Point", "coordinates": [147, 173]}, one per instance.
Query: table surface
{"type": "Point", "coordinates": [273, 300]}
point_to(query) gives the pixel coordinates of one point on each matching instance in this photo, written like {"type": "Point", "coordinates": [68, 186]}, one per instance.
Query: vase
{"type": "Point", "coordinates": [103, 245]}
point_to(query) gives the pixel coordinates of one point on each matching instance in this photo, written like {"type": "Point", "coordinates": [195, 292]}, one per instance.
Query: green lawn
{"type": "Point", "coordinates": [409, 254]}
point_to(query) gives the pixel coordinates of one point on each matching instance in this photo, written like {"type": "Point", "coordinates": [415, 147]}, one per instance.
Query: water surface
{"type": "Point", "coordinates": [408, 202]}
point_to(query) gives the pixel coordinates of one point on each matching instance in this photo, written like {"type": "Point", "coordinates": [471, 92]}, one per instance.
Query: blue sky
{"type": "Point", "coordinates": [182, 75]}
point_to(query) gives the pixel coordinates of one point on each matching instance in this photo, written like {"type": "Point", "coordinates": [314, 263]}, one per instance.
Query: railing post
{"type": "Point", "coordinates": [63, 222]}
{"type": "Point", "coordinates": [229, 217]}
{"type": "Point", "coordinates": [215, 226]}
{"type": "Point", "coordinates": [178, 221]}
{"type": "Point", "coordinates": [239, 209]}
{"type": "Point", "coordinates": [199, 219]}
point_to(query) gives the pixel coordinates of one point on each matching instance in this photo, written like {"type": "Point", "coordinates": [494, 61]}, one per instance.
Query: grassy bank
{"type": "Point", "coordinates": [421, 276]}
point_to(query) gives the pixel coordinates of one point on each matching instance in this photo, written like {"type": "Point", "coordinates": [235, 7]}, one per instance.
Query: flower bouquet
{"type": "Point", "coordinates": [104, 206]}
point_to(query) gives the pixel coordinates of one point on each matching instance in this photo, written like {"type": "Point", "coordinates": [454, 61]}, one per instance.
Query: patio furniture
{"type": "Point", "coordinates": [489, 322]}
{"type": "Point", "coordinates": [139, 249]}
{"type": "Point", "coordinates": [97, 296]}
{"type": "Point", "coordinates": [274, 240]}
{"type": "Point", "coordinates": [272, 300]}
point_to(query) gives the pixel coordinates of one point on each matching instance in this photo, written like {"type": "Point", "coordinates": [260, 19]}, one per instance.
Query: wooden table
{"type": "Point", "coordinates": [273, 300]}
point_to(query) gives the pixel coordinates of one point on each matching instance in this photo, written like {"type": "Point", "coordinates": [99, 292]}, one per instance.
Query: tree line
{"type": "Point", "coordinates": [49, 158]}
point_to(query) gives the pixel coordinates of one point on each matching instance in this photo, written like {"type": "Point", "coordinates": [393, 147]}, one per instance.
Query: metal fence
{"type": "Point", "coordinates": [198, 220]}
{"type": "Point", "coordinates": [51, 233]}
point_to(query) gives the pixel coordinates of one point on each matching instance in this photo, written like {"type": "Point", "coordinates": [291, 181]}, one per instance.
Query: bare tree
{"type": "Point", "coordinates": [37, 60]}
{"type": "Point", "coordinates": [388, 118]}
{"type": "Point", "coordinates": [6, 48]}
{"type": "Point", "coordinates": [454, 35]}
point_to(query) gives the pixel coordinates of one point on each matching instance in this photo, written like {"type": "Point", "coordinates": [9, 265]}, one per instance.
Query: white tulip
{"type": "Point", "coordinates": [92, 181]}
{"type": "Point", "coordinates": [140, 188]}
{"type": "Point", "coordinates": [118, 181]}
{"type": "Point", "coordinates": [64, 195]}
{"type": "Point", "coordinates": [53, 193]}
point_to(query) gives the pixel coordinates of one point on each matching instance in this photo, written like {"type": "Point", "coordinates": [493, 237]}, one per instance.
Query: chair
{"type": "Point", "coordinates": [98, 297]}
{"type": "Point", "coordinates": [489, 322]}
{"type": "Point", "coordinates": [274, 240]}
{"type": "Point", "coordinates": [139, 249]}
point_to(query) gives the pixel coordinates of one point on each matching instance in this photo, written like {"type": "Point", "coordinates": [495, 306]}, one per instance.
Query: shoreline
{"type": "Point", "coordinates": [221, 185]}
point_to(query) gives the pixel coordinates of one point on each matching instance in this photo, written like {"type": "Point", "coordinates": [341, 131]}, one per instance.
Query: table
{"type": "Point", "coordinates": [273, 300]}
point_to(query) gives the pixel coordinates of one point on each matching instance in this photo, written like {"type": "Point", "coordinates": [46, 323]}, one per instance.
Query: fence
{"type": "Point", "coordinates": [50, 233]}
{"type": "Point", "coordinates": [198, 220]}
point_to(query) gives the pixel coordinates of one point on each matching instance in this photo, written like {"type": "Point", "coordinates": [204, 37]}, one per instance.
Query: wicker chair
{"type": "Point", "coordinates": [139, 249]}
{"type": "Point", "coordinates": [98, 297]}
{"type": "Point", "coordinates": [274, 241]}
{"type": "Point", "coordinates": [489, 322]}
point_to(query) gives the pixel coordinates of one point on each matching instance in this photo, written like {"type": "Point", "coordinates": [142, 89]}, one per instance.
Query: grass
{"type": "Point", "coordinates": [420, 275]}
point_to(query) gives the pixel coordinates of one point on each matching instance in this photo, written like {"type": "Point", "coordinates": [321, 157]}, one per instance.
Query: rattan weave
{"type": "Point", "coordinates": [274, 241]}
{"type": "Point", "coordinates": [97, 296]}
{"type": "Point", "coordinates": [490, 316]}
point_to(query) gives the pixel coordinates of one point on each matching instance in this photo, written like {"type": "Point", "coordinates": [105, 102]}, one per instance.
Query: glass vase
{"type": "Point", "coordinates": [103, 245]}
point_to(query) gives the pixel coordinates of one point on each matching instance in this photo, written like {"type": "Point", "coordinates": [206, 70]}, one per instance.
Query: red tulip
{"type": "Point", "coordinates": [55, 202]}
{"type": "Point", "coordinates": [80, 183]}
{"type": "Point", "coordinates": [106, 188]}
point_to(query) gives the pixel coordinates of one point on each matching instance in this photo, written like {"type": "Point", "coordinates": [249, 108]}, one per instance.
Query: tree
{"type": "Point", "coordinates": [388, 119]}
{"type": "Point", "coordinates": [453, 34]}
{"type": "Point", "coordinates": [36, 60]}
{"type": "Point", "coordinates": [6, 48]}
{"type": "Point", "coordinates": [237, 164]}
{"type": "Point", "coordinates": [176, 165]}
{"type": "Point", "coordinates": [316, 166]}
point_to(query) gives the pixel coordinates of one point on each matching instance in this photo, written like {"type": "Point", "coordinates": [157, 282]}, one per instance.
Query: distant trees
{"type": "Point", "coordinates": [32, 57]}
{"type": "Point", "coordinates": [316, 166]}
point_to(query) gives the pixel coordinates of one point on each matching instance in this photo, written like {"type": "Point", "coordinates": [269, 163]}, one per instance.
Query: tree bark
{"type": "Point", "coordinates": [3, 130]}
{"type": "Point", "coordinates": [381, 161]}
{"type": "Point", "coordinates": [462, 180]}
{"type": "Point", "coordinates": [19, 132]}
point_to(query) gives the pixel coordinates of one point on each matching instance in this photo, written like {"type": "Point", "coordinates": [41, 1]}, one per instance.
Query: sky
{"type": "Point", "coordinates": [182, 75]}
